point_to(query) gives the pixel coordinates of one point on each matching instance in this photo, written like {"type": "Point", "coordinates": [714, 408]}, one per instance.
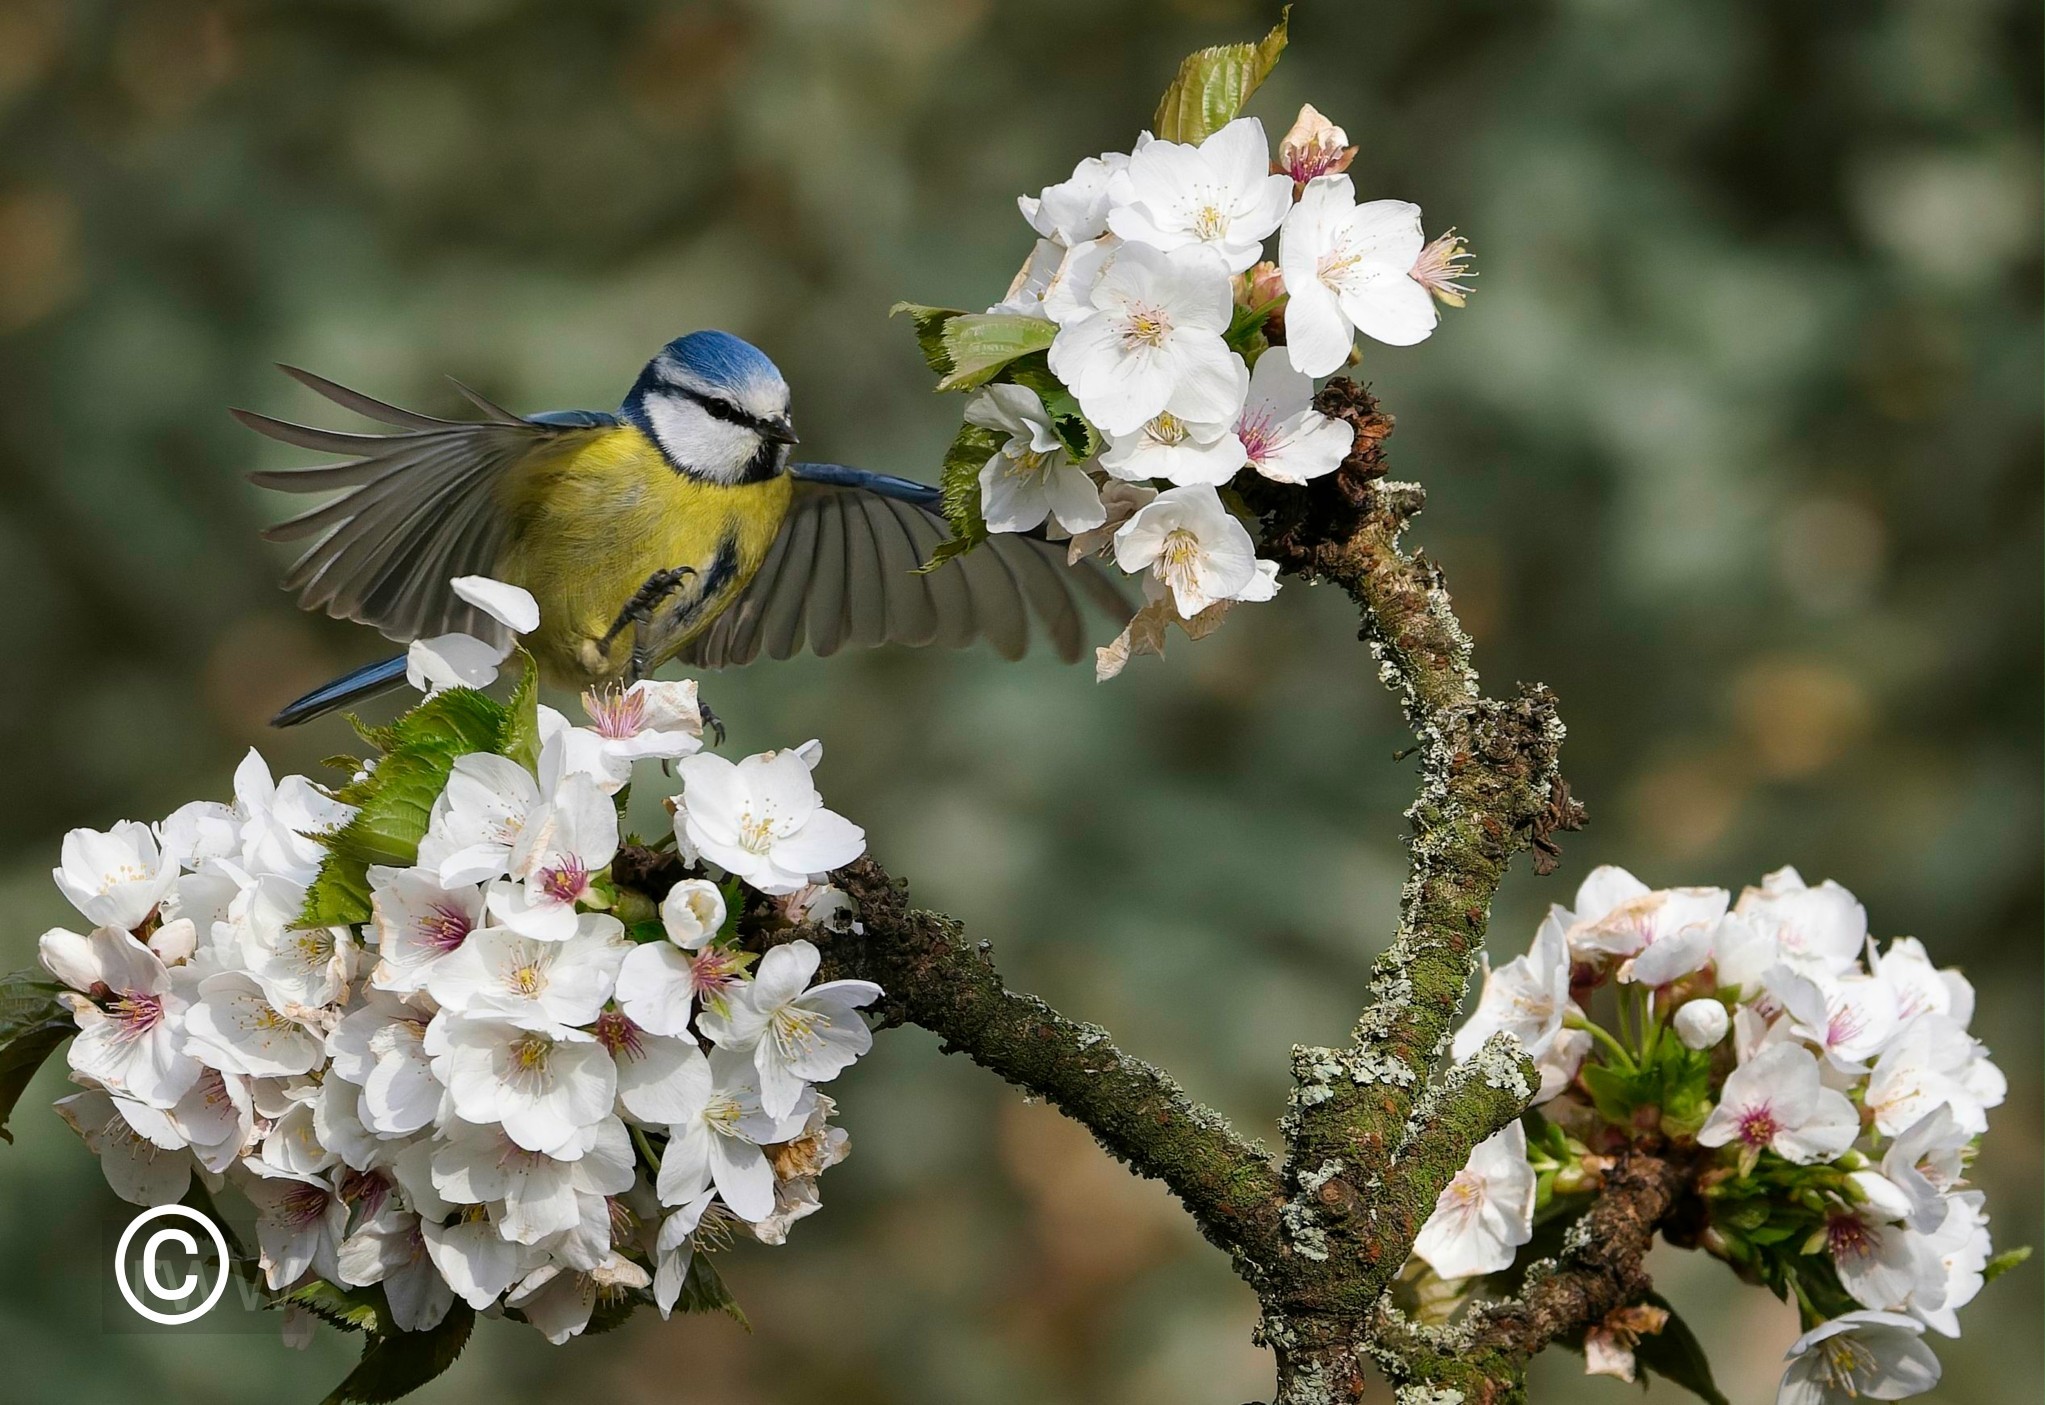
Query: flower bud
{"type": "Point", "coordinates": [1314, 147]}
{"type": "Point", "coordinates": [1700, 1024]}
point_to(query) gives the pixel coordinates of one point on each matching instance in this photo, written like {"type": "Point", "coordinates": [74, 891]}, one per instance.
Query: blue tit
{"type": "Point", "coordinates": [673, 527]}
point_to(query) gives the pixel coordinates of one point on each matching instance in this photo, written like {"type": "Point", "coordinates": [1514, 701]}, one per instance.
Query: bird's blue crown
{"type": "Point", "coordinates": [716, 363]}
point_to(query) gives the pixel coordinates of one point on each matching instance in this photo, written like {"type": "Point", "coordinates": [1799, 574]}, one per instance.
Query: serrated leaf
{"type": "Point", "coordinates": [929, 323]}
{"type": "Point", "coordinates": [350, 1309]}
{"type": "Point", "coordinates": [394, 1364]}
{"type": "Point", "coordinates": [33, 1025]}
{"type": "Point", "coordinates": [2005, 1261]}
{"type": "Point", "coordinates": [454, 719]}
{"type": "Point", "coordinates": [703, 1290]}
{"type": "Point", "coordinates": [1213, 85]}
{"type": "Point", "coordinates": [521, 736]}
{"type": "Point", "coordinates": [1675, 1354]}
{"type": "Point", "coordinates": [979, 344]}
{"type": "Point", "coordinates": [959, 492]}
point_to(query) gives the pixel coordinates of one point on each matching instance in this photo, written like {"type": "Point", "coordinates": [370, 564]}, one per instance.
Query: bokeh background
{"type": "Point", "coordinates": [1737, 446]}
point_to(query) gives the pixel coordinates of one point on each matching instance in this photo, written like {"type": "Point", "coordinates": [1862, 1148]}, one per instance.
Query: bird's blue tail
{"type": "Point", "coordinates": [364, 682]}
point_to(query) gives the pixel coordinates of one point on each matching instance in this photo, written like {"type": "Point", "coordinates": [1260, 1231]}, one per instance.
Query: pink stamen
{"type": "Point", "coordinates": [616, 716]}
{"type": "Point", "coordinates": [713, 970]}
{"type": "Point", "coordinates": [567, 883]}
{"type": "Point", "coordinates": [135, 1014]}
{"type": "Point", "coordinates": [1255, 430]}
{"type": "Point", "coordinates": [304, 1204]}
{"type": "Point", "coordinates": [619, 1036]}
{"type": "Point", "coordinates": [446, 928]}
{"type": "Point", "coordinates": [1758, 1126]}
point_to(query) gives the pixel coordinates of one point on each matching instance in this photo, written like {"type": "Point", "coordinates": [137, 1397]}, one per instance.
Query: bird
{"type": "Point", "coordinates": [674, 527]}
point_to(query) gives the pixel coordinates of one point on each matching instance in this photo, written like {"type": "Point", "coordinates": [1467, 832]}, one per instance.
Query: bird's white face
{"type": "Point", "coordinates": [724, 432]}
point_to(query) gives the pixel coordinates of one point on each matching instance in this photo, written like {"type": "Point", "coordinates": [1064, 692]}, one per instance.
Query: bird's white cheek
{"type": "Point", "coordinates": [708, 447]}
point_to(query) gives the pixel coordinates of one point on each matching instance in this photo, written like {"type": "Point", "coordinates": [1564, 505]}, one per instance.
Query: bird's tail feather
{"type": "Point", "coordinates": [364, 682]}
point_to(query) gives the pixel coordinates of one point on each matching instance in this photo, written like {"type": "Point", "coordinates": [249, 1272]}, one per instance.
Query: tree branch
{"type": "Point", "coordinates": [933, 977]}
{"type": "Point", "coordinates": [1602, 1269]}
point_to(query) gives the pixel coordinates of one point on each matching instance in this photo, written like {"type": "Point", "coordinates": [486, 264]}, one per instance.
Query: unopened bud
{"type": "Point", "coordinates": [1701, 1024]}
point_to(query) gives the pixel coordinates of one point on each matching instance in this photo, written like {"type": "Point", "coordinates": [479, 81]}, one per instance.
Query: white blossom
{"type": "Point", "coordinates": [1657, 935]}
{"type": "Point", "coordinates": [559, 1300]}
{"type": "Point", "coordinates": [1348, 269]}
{"type": "Point", "coordinates": [798, 1034]}
{"type": "Point", "coordinates": [532, 1194]}
{"type": "Point", "coordinates": [565, 841]}
{"type": "Point", "coordinates": [1075, 210]}
{"type": "Point", "coordinates": [1219, 194]}
{"type": "Point", "coordinates": [1151, 341]}
{"type": "Point", "coordinates": [389, 1248]}
{"type": "Point", "coordinates": [1176, 450]}
{"type": "Point", "coordinates": [1194, 546]}
{"type": "Point", "coordinates": [380, 1048]}
{"type": "Point", "coordinates": [1823, 928]}
{"type": "Point", "coordinates": [649, 721]}
{"type": "Point", "coordinates": [1528, 998]}
{"type": "Point", "coordinates": [140, 1170]}
{"type": "Point", "coordinates": [1933, 1061]}
{"type": "Point", "coordinates": [1283, 436]}
{"type": "Point", "coordinates": [477, 820]}
{"type": "Point", "coordinates": [762, 820]}
{"type": "Point", "coordinates": [718, 1141]}
{"type": "Point", "coordinates": [1031, 476]}
{"type": "Point", "coordinates": [1858, 1356]}
{"type": "Point", "coordinates": [419, 922]}
{"type": "Point", "coordinates": [1849, 1017]}
{"type": "Point", "coordinates": [281, 821]}
{"type": "Point", "coordinates": [1485, 1213]}
{"type": "Point", "coordinates": [128, 1008]}
{"type": "Point", "coordinates": [477, 1262]}
{"type": "Point", "coordinates": [544, 1087]}
{"type": "Point", "coordinates": [300, 1221]}
{"type": "Point", "coordinates": [114, 877]}
{"type": "Point", "coordinates": [1775, 1102]}
{"type": "Point", "coordinates": [233, 1027]}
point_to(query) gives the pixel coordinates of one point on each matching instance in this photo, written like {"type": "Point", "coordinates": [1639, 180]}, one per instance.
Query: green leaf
{"type": "Point", "coordinates": [394, 799]}
{"type": "Point", "coordinates": [1213, 85]}
{"type": "Point", "coordinates": [703, 1290]}
{"type": "Point", "coordinates": [1675, 1354]}
{"type": "Point", "coordinates": [455, 719]}
{"type": "Point", "coordinates": [394, 1364]}
{"type": "Point", "coordinates": [350, 1309]}
{"type": "Point", "coordinates": [978, 344]}
{"type": "Point", "coordinates": [2002, 1263]}
{"type": "Point", "coordinates": [929, 323]}
{"type": "Point", "coordinates": [959, 492]}
{"type": "Point", "coordinates": [521, 735]}
{"type": "Point", "coordinates": [33, 1025]}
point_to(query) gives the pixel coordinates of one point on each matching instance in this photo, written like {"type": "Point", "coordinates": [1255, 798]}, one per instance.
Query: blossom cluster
{"type": "Point", "coordinates": [1178, 357]}
{"type": "Point", "coordinates": [1824, 1089]}
{"type": "Point", "coordinates": [513, 1081]}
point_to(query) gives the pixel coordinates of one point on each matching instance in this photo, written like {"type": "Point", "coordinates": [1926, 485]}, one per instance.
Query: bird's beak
{"type": "Point", "coordinates": [781, 430]}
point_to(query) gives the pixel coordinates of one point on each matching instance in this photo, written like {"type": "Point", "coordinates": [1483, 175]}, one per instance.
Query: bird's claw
{"type": "Point", "coordinates": [638, 613]}
{"type": "Point", "coordinates": [712, 721]}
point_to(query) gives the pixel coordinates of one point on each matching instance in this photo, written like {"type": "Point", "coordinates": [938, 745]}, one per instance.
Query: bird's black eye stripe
{"type": "Point", "coordinates": [724, 410]}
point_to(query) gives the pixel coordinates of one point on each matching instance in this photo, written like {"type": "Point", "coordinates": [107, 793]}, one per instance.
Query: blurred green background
{"type": "Point", "coordinates": [1737, 446]}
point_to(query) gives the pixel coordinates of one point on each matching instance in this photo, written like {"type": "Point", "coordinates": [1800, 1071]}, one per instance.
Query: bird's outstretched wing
{"type": "Point", "coordinates": [844, 572]}
{"type": "Point", "coordinates": [415, 508]}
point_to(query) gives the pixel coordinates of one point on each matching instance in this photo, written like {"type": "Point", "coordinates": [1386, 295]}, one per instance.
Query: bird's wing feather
{"type": "Point", "coordinates": [415, 508]}
{"type": "Point", "coordinates": [843, 571]}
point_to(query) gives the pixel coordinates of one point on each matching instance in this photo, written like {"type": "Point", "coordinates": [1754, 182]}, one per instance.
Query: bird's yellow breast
{"type": "Point", "coordinates": [592, 517]}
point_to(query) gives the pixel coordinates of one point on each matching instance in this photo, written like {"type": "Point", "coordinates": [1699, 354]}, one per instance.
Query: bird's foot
{"type": "Point", "coordinates": [712, 721]}
{"type": "Point", "coordinates": [638, 614]}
